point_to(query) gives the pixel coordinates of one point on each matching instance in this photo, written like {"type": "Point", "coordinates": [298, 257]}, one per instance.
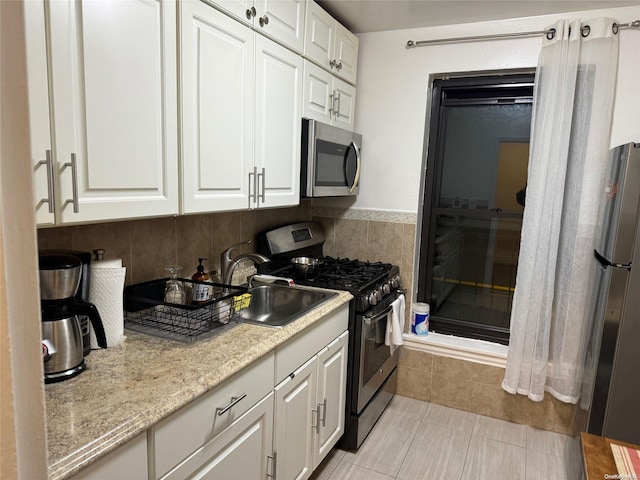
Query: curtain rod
{"type": "Point", "coordinates": [549, 33]}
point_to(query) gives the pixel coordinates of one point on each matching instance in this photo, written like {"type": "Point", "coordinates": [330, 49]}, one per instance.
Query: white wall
{"type": "Point", "coordinates": [392, 90]}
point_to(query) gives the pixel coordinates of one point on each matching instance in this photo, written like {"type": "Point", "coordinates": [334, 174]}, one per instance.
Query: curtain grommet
{"type": "Point", "coordinates": [551, 33]}
{"type": "Point", "coordinates": [615, 28]}
{"type": "Point", "coordinates": [585, 31]}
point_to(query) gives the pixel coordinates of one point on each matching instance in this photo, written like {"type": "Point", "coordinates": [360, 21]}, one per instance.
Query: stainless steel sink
{"type": "Point", "coordinates": [277, 305]}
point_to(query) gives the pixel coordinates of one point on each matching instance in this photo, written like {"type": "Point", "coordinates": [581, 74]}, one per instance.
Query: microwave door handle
{"type": "Point", "coordinates": [356, 178]}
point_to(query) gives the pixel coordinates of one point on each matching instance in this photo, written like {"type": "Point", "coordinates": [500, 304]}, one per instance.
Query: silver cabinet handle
{"type": "Point", "coordinates": [49, 164]}
{"type": "Point", "coordinates": [264, 20]}
{"type": "Point", "coordinates": [337, 109]}
{"type": "Point", "coordinates": [74, 180]}
{"type": "Point", "coordinates": [274, 461]}
{"type": "Point", "coordinates": [338, 66]}
{"type": "Point", "coordinates": [262, 190]}
{"type": "Point", "coordinates": [332, 64]}
{"type": "Point", "coordinates": [255, 187]}
{"type": "Point", "coordinates": [317, 417]}
{"type": "Point", "coordinates": [324, 412]}
{"type": "Point", "coordinates": [234, 402]}
{"type": "Point", "coordinates": [332, 104]}
{"type": "Point", "coordinates": [250, 13]}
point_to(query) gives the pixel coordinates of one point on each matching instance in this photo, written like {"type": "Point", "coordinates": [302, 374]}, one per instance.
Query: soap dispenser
{"type": "Point", "coordinates": [201, 291]}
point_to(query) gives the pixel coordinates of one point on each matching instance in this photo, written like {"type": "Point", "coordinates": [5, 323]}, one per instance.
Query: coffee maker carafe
{"type": "Point", "coordinates": [62, 347]}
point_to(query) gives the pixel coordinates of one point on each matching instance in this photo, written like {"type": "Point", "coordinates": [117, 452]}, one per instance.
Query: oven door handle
{"type": "Point", "coordinates": [369, 320]}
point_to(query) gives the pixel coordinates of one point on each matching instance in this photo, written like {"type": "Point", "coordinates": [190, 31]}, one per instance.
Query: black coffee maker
{"type": "Point", "coordinates": [62, 337]}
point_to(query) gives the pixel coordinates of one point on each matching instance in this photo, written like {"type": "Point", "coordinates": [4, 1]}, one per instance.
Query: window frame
{"type": "Point", "coordinates": [443, 95]}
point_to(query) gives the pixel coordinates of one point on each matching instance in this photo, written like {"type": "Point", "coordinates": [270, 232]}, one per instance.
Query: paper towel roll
{"type": "Point", "coordinates": [105, 292]}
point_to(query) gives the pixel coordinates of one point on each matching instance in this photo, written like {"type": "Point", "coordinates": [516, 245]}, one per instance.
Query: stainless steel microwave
{"type": "Point", "coordinates": [331, 160]}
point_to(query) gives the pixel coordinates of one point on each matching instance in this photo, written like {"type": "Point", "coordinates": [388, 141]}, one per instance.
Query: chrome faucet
{"type": "Point", "coordinates": [228, 264]}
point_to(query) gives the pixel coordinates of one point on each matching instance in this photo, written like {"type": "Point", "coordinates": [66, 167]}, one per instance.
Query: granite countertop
{"type": "Point", "coordinates": [130, 387]}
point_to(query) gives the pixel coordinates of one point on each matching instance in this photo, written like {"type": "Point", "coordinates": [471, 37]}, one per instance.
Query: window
{"type": "Point", "coordinates": [474, 197]}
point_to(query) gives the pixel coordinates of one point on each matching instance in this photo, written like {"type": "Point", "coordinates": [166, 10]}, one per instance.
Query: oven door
{"type": "Point", "coordinates": [376, 361]}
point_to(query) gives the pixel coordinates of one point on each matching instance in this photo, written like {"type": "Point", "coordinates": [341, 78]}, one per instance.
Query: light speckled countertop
{"type": "Point", "coordinates": [128, 388]}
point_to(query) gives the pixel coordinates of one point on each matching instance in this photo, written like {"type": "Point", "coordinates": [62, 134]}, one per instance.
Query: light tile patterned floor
{"type": "Point", "coordinates": [416, 440]}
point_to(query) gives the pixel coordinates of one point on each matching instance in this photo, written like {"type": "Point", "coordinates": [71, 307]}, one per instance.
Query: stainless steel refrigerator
{"type": "Point", "coordinates": [615, 401]}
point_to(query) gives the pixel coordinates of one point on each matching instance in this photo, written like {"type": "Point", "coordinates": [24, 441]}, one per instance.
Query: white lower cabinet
{"type": "Point", "coordinates": [241, 452]}
{"type": "Point", "coordinates": [248, 429]}
{"type": "Point", "coordinates": [310, 406]}
{"type": "Point", "coordinates": [296, 413]}
{"type": "Point", "coordinates": [331, 396]}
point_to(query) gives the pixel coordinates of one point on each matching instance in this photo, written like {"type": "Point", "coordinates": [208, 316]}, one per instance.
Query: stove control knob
{"type": "Point", "coordinates": [386, 288]}
{"type": "Point", "coordinates": [396, 282]}
{"type": "Point", "coordinates": [372, 298]}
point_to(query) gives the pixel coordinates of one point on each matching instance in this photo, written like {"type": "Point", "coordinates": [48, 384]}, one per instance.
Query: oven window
{"type": "Point", "coordinates": [330, 164]}
{"type": "Point", "coordinates": [374, 353]}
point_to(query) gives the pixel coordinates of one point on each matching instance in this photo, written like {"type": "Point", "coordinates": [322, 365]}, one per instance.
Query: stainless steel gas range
{"type": "Point", "coordinates": [371, 369]}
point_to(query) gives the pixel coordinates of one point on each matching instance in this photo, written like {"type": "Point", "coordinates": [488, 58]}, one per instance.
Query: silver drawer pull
{"type": "Point", "coordinates": [234, 401]}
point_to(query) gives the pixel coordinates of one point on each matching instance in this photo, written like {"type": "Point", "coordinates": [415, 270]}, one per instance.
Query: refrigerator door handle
{"type": "Point", "coordinates": [604, 263]}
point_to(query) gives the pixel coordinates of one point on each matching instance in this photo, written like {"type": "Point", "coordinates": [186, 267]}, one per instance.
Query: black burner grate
{"type": "Point", "coordinates": [346, 273]}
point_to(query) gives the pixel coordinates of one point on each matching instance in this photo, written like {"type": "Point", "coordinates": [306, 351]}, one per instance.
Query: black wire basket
{"type": "Point", "coordinates": [146, 310]}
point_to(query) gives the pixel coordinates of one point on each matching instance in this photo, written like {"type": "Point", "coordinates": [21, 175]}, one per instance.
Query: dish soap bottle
{"type": "Point", "coordinates": [201, 291]}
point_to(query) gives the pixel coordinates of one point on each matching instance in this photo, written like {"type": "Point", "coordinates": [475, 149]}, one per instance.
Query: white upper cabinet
{"type": "Point", "coordinates": [113, 76]}
{"type": "Point", "coordinates": [241, 105]}
{"type": "Point", "coordinates": [326, 98]}
{"type": "Point", "coordinates": [329, 44]}
{"type": "Point", "coordinates": [282, 20]}
{"type": "Point", "coordinates": [217, 101]}
{"type": "Point", "coordinates": [40, 127]}
{"type": "Point", "coordinates": [278, 126]}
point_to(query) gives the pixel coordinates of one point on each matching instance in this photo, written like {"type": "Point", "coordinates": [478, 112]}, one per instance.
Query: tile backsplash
{"type": "Point", "coordinates": [147, 246]}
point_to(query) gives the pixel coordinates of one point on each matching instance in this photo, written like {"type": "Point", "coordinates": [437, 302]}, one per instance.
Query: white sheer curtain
{"type": "Point", "coordinates": [555, 284]}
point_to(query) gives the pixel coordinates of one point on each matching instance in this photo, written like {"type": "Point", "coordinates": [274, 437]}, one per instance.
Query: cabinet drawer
{"type": "Point", "coordinates": [310, 341]}
{"type": "Point", "coordinates": [194, 425]}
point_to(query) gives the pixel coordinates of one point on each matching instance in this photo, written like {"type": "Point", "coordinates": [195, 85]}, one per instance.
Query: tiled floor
{"type": "Point", "coordinates": [416, 440]}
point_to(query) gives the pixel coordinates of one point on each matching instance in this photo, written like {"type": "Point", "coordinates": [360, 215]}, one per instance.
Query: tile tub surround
{"type": "Point", "coordinates": [128, 388]}
{"type": "Point", "coordinates": [474, 387]}
{"type": "Point", "coordinates": [147, 246]}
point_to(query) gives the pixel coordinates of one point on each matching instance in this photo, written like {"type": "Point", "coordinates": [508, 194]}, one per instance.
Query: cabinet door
{"type": "Point", "coordinates": [282, 20]}
{"type": "Point", "coordinates": [239, 453]}
{"type": "Point", "coordinates": [41, 154]}
{"type": "Point", "coordinates": [277, 124]}
{"type": "Point", "coordinates": [296, 415]}
{"type": "Point", "coordinates": [331, 396]}
{"type": "Point", "coordinates": [345, 102]}
{"type": "Point", "coordinates": [317, 93]}
{"type": "Point", "coordinates": [115, 108]}
{"type": "Point", "coordinates": [319, 35]}
{"type": "Point", "coordinates": [346, 54]}
{"type": "Point", "coordinates": [217, 100]}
